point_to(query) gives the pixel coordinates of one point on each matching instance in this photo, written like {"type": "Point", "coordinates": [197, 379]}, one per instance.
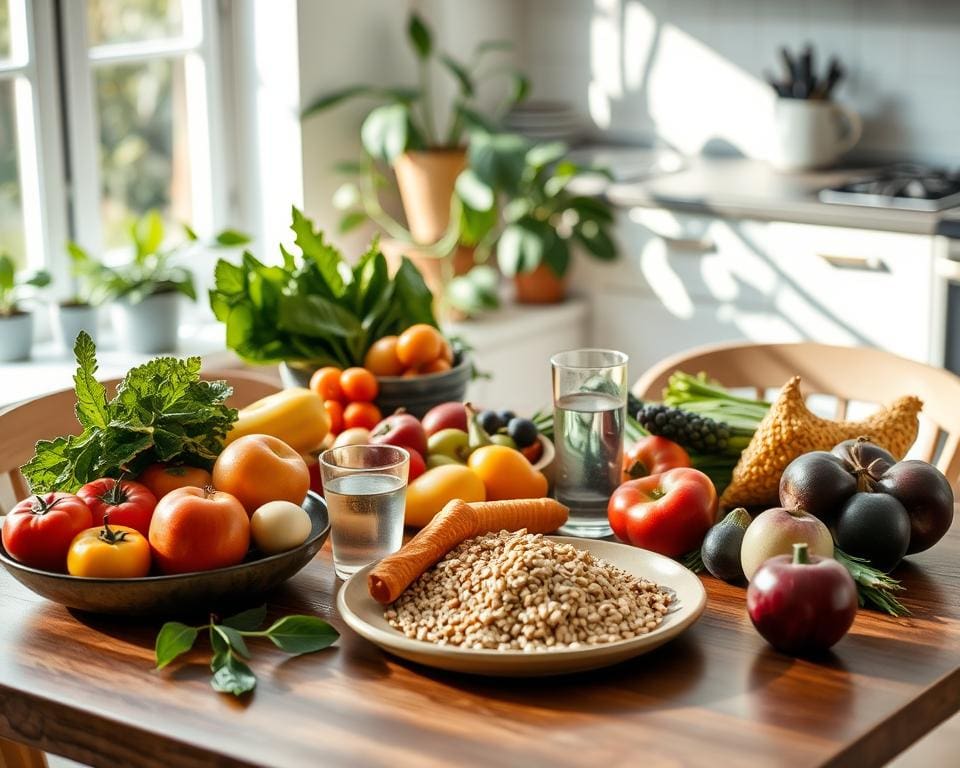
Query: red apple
{"type": "Point", "coordinates": [802, 603]}
{"type": "Point", "coordinates": [402, 430]}
{"type": "Point", "coordinates": [417, 465]}
{"type": "Point", "coordinates": [445, 416]}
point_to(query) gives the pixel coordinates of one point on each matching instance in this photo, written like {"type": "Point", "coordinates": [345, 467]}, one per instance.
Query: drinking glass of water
{"type": "Point", "coordinates": [589, 410]}
{"type": "Point", "coordinates": [364, 486]}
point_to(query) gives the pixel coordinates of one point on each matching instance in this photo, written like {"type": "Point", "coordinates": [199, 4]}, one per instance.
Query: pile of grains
{"type": "Point", "coordinates": [520, 591]}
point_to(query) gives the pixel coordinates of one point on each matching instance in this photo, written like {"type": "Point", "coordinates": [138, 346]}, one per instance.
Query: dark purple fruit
{"type": "Point", "coordinates": [491, 422]}
{"type": "Point", "coordinates": [926, 495]}
{"type": "Point", "coordinates": [876, 527]}
{"type": "Point", "coordinates": [869, 458]}
{"type": "Point", "coordinates": [720, 551]}
{"type": "Point", "coordinates": [818, 483]}
{"type": "Point", "coordinates": [523, 431]}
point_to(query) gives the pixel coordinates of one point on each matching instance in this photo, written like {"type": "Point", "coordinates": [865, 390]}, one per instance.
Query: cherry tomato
{"type": "Point", "coordinates": [37, 532]}
{"type": "Point", "coordinates": [196, 529]}
{"type": "Point", "coordinates": [162, 478]}
{"type": "Point", "coordinates": [359, 385]}
{"type": "Point", "coordinates": [125, 501]}
{"type": "Point", "coordinates": [326, 383]}
{"type": "Point", "coordinates": [381, 359]}
{"type": "Point", "coordinates": [668, 513]}
{"type": "Point", "coordinates": [117, 552]}
{"type": "Point", "coordinates": [652, 455]}
{"type": "Point", "coordinates": [334, 409]}
{"type": "Point", "coordinates": [365, 415]}
{"type": "Point", "coordinates": [419, 344]}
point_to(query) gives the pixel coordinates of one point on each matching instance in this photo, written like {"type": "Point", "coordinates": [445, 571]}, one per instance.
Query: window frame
{"type": "Point", "coordinates": [199, 47]}
{"type": "Point", "coordinates": [32, 67]}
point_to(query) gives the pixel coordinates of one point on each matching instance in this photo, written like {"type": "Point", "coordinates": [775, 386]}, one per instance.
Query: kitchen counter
{"type": "Point", "coordinates": [751, 189]}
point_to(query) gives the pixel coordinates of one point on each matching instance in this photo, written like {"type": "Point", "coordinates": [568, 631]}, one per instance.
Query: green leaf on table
{"type": "Point", "coordinates": [247, 621]}
{"type": "Point", "coordinates": [91, 405]}
{"type": "Point", "coordinates": [302, 634]}
{"type": "Point", "coordinates": [233, 638]}
{"type": "Point", "coordinates": [173, 640]}
{"type": "Point", "coordinates": [420, 37]}
{"type": "Point", "coordinates": [231, 675]}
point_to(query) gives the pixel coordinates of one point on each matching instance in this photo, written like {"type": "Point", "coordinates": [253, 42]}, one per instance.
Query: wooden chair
{"type": "Point", "coordinates": [49, 416]}
{"type": "Point", "coordinates": [849, 374]}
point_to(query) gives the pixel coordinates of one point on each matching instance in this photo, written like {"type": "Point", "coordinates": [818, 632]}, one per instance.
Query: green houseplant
{"type": "Point", "coordinates": [16, 324]}
{"type": "Point", "coordinates": [144, 292]}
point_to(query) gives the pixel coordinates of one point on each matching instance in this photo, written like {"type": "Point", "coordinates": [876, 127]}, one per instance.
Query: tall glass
{"type": "Point", "coordinates": [365, 489]}
{"type": "Point", "coordinates": [589, 410]}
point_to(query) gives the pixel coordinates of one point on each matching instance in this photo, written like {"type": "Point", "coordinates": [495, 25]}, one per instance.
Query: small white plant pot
{"type": "Point", "coordinates": [16, 337]}
{"type": "Point", "coordinates": [149, 326]}
{"type": "Point", "coordinates": [70, 319]}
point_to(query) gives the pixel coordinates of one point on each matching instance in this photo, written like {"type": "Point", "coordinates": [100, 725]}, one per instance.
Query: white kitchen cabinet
{"type": "Point", "coordinates": [690, 279]}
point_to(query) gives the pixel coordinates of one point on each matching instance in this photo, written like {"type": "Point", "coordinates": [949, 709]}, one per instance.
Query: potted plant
{"type": "Point", "coordinates": [16, 325]}
{"type": "Point", "coordinates": [145, 293]}
{"type": "Point", "coordinates": [427, 155]}
{"type": "Point", "coordinates": [80, 311]}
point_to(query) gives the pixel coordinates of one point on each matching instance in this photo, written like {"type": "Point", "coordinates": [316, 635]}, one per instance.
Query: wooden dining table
{"type": "Point", "coordinates": [85, 687]}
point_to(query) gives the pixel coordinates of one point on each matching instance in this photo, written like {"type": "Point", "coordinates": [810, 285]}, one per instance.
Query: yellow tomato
{"type": "Point", "coordinates": [296, 416]}
{"type": "Point", "coordinates": [110, 552]}
{"type": "Point", "coordinates": [506, 473]}
{"type": "Point", "coordinates": [428, 494]}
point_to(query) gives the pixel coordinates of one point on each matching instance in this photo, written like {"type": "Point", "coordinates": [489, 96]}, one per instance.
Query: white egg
{"type": "Point", "coordinates": [278, 526]}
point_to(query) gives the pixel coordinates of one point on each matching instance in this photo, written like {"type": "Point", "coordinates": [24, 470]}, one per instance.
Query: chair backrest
{"type": "Point", "coordinates": [850, 374]}
{"type": "Point", "coordinates": [47, 417]}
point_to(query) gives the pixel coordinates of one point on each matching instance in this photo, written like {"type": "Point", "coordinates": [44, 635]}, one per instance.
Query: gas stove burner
{"type": "Point", "coordinates": [906, 186]}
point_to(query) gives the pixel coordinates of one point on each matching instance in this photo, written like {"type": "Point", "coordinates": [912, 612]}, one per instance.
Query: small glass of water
{"type": "Point", "coordinates": [365, 487]}
{"type": "Point", "coordinates": [589, 410]}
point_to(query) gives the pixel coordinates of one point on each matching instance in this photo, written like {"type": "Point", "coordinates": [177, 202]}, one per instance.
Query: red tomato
{"type": "Point", "coordinates": [37, 532]}
{"type": "Point", "coordinates": [125, 501]}
{"type": "Point", "coordinates": [417, 465]}
{"type": "Point", "coordinates": [196, 529]}
{"type": "Point", "coordinates": [652, 455]}
{"type": "Point", "coordinates": [668, 513]}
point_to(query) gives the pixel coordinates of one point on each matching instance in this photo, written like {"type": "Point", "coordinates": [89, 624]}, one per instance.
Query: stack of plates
{"type": "Point", "coordinates": [545, 121]}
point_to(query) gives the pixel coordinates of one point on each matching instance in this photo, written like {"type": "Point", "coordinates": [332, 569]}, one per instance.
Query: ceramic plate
{"type": "Point", "coordinates": [365, 616]}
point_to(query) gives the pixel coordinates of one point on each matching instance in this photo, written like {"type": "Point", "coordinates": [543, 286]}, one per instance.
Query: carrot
{"type": "Point", "coordinates": [454, 524]}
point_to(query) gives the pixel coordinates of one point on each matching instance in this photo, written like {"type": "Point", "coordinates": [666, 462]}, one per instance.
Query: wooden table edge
{"type": "Point", "coordinates": [91, 742]}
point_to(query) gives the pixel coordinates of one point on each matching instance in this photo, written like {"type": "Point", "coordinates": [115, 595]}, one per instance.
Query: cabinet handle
{"type": "Point", "coordinates": [858, 263]}
{"type": "Point", "coordinates": [689, 244]}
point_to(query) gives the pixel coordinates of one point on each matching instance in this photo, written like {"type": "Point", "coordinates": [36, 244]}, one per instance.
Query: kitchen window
{"type": "Point", "coordinates": [108, 109]}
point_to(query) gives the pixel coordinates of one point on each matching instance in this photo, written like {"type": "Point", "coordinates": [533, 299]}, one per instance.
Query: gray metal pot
{"type": "Point", "coordinates": [16, 337]}
{"type": "Point", "coordinates": [70, 319]}
{"type": "Point", "coordinates": [417, 395]}
{"type": "Point", "coordinates": [149, 326]}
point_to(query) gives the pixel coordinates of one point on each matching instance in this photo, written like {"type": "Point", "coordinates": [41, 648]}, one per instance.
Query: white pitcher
{"type": "Point", "coordinates": [812, 134]}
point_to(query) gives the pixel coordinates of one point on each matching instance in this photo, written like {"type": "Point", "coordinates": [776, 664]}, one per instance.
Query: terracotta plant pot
{"type": "Point", "coordinates": [541, 286]}
{"type": "Point", "coordinates": [426, 180]}
{"type": "Point", "coordinates": [432, 268]}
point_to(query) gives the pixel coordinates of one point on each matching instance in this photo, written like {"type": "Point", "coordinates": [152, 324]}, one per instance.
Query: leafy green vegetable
{"type": "Point", "coordinates": [314, 307]}
{"type": "Point", "coordinates": [162, 411]}
{"type": "Point", "coordinates": [295, 635]}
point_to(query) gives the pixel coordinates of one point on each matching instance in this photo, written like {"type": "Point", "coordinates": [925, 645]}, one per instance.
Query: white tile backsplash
{"type": "Point", "coordinates": [902, 58]}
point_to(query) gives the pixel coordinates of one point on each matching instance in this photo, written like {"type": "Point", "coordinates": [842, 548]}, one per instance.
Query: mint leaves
{"type": "Point", "coordinates": [316, 306]}
{"type": "Point", "coordinates": [162, 411]}
{"type": "Point", "coordinates": [295, 635]}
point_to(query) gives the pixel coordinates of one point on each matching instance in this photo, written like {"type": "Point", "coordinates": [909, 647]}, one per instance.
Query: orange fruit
{"type": "Point", "coordinates": [326, 383]}
{"type": "Point", "coordinates": [381, 359]}
{"type": "Point", "coordinates": [261, 468]}
{"type": "Point", "coordinates": [334, 409]}
{"type": "Point", "coordinates": [359, 385]}
{"type": "Point", "coordinates": [436, 366]}
{"type": "Point", "coordinates": [411, 373]}
{"type": "Point", "coordinates": [161, 479]}
{"type": "Point", "coordinates": [365, 415]}
{"type": "Point", "coordinates": [447, 353]}
{"type": "Point", "coordinates": [419, 344]}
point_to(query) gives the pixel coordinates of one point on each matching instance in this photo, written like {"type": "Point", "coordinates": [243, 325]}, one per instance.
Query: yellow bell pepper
{"type": "Point", "coordinates": [296, 416]}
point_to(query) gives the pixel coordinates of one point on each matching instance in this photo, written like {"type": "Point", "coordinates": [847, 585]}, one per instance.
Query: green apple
{"type": "Point", "coordinates": [504, 440]}
{"type": "Point", "coordinates": [439, 460]}
{"type": "Point", "coordinates": [451, 442]}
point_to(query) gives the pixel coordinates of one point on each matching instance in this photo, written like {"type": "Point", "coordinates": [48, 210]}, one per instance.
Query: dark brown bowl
{"type": "Point", "coordinates": [182, 594]}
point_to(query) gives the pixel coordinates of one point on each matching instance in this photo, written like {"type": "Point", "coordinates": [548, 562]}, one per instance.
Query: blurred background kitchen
{"type": "Point", "coordinates": [777, 170]}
